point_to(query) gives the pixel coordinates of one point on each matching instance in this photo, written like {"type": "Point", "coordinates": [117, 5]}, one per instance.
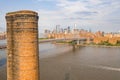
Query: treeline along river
{"type": "Point", "coordinates": [62, 62]}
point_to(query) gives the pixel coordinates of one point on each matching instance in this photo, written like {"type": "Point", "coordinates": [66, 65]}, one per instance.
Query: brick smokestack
{"type": "Point", "coordinates": [22, 45]}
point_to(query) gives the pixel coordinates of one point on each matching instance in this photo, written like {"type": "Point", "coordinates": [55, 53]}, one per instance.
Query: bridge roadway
{"type": "Point", "coordinates": [50, 40]}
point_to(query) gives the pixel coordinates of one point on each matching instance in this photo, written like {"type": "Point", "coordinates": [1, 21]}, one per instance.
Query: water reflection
{"type": "Point", "coordinates": [2, 61]}
{"type": "Point", "coordinates": [2, 42]}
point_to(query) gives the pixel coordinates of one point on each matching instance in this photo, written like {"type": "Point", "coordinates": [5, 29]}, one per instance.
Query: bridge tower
{"type": "Point", "coordinates": [22, 45]}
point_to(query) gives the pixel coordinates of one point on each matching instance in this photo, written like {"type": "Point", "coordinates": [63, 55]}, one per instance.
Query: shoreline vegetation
{"type": "Point", "coordinates": [102, 44]}
{"type": "Point", "coordinates": [43, 38]}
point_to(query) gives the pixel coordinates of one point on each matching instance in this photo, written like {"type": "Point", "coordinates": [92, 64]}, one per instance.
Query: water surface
{"type": "Point", "coordinates": [61, 62]}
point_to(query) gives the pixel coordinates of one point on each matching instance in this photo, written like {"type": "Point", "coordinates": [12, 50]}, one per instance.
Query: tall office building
{"type": "Point", "coordinates": [57, 29]}
{"type": "Point", "coordinates": [68, 29]}
{"type": "Point", "coordinates": [22, 45]}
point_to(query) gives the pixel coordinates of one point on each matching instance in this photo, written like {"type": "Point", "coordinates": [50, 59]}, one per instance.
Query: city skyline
{"type": "Point", "coordinates": [87, 14]}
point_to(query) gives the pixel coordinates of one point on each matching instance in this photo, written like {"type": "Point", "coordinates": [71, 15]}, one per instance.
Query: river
{"type": "Point", "coordinates": [61, 62]}
{"type": "Point", "coordinates": [2, 42]}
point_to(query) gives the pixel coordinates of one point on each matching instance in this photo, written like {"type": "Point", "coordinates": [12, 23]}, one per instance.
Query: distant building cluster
{"type": "Point", "coordinates": [112, 38]}
{"type": "Point", "coordinates": [97, 37]}
{"type": "Point", "coordinates": [2, 35]}
{"type": "Point", "coordinates": [58, 33]}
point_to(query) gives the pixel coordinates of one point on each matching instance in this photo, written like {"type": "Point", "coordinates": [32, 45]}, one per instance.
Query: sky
{"type": "Point", "coordinates": [103, 15]}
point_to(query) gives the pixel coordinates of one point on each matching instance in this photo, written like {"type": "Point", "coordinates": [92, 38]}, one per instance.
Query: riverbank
{"type": "Point", "coordinates": [100, 46]}
{"type": "Point", "coordinates": [61, 43]}
{"type": "Point", "coordinates": [87, 45]}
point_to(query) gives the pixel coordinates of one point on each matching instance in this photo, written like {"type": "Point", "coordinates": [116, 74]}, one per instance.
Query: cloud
{"type": "Point", "coordinates": [78, 18]}
{"type": "Point", "coordinates": [2, 23]}
{"type": "Point", "coordinates": [45, 0]}
{"type": "Point", "coordinates": [86, 13]}
{"type": "Point", "coordinates": [98, 13]}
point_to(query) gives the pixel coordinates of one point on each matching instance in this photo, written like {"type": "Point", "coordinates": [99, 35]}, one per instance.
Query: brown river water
{"type": "Point", "coordinates": [62, 62]}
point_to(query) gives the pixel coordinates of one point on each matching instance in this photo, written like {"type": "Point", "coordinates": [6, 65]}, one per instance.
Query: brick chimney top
{"type": "Point", "coordinates": [28, 12]}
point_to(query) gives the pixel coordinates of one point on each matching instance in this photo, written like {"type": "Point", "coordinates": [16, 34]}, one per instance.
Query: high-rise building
{"type": "Point", "coordinates": [22, 45]}
{"type": "Point", "coordinates": [47, 31]}
{"type": "Point", "coordinates": [57, 29]}
{"type": "Point", "coordinates": [69, 29]}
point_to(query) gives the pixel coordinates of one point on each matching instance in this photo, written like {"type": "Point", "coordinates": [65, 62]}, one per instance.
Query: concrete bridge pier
{"type": "Point", "coordinates": [78, 42]}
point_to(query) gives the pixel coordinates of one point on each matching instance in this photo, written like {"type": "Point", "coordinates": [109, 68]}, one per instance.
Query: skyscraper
{"type": "Point", "coordinates": [57, 29]}
{"type": "Point", "coordinates": [22, 49]}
